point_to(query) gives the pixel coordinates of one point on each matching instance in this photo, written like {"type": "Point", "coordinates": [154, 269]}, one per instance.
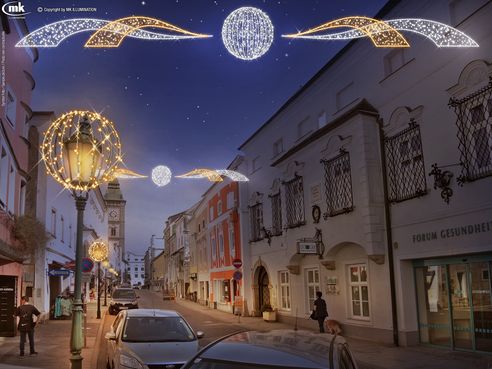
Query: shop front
{"type": "Point", "coordinates": [454, 301]}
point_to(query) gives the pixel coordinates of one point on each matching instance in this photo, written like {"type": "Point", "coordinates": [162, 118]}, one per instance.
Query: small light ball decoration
{"type": "Point", "coordinates": [161, 175]}
{"type": "Point", "coordinates": [247, 33]}
{"type": "Point", "coordinates": [98, 251]}
{"type": "Point", "coordinates": [81, 150]}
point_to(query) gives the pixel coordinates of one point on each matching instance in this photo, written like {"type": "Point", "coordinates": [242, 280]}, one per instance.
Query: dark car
{"type": "Point", "coordinates": [122, 299]}
{"type": "Point", "coordinates": [284, 348]}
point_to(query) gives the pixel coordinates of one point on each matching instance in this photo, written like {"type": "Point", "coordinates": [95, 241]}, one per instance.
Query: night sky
{"type": "Point", "coordinates": [185, 104]}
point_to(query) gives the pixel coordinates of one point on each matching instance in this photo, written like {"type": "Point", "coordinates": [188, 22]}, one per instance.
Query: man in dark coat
{"type": "Point", "coordinates": [26, 324]}
{"type": "Point", "coordinates": [320, 311]}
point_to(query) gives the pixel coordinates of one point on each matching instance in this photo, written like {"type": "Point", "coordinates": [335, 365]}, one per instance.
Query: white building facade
{"type": "Point", "coordinates": [136, 268]}
{"type": "Point", "coordinates": [340, 195]}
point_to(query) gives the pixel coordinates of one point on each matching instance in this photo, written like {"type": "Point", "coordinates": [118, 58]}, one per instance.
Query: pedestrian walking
{"type": "Point", "coordinates": [320, 311]}
{"type": "Point", "coordinates": [26, 324]}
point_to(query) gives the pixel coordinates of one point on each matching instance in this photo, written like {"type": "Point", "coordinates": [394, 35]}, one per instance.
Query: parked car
{"type": "Point", "coordinates": [150, 338]}
{"type": "Point", "coordinates": [122, 299]}
{"type": "Point", "coordinates": [283, 348]}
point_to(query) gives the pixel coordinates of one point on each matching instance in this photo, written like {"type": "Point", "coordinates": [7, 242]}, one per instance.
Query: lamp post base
{"type": "Point", "coordinates": [77, 338]}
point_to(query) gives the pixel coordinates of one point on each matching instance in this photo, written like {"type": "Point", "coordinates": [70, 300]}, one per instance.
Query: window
{"type": "Point", "coordinates": [276, 214]}
{"type": "Point", "coordinates": [256, 221]}
{"type": "Point", "coordinates": [232, 241]}
{"type": "Point", "coordinates": [25, 132]}
{"type": "Point", "coordinates": [312, 286]}
{"type": "Point", "coordinates": [474, 122]}
{"type": "Point", "coordinates": [303, 128]}
{"type": "Point", "coordinates": [219, 207]}
{"type": "Point", "coordinates": [136, 269]}
{"type": "Point", "coordinates": [142, 276]}
{"type": "Point", "coordinates": [213, 243]}
{"type": "Point", "coordinates": [136, 275]}
{"type": "Point", "coordinates": [4, 176]}
{"type": "Point", "coordinates": [338, 184]}
{"type": "Point", "coordinates": [393, 61]}
{"type": "Point", "coordinates": [11, 107]}
{"type": "Point", "coordinates": [211, 211]}
{"type": "Point", "coordinates": [221, 242]}
{"type": "Point", "coordinates": [405, 164]}
{"type": "Point", "coordinates": [142, 269]}
{"type": "Point", "coordinates": [22, 198]}
{"type": "Point", "coordinates": [11, 198]}
{"type": "Point", "coordinates": [255, 165]}
{"type": "Point", "coordinates": [70, 235]}
{"type": "Point", "coordinates": [113, 231]}
{"type": "Point", "coordinates": [322, 120]}
{"type": "Point", "coordinates": [62, 226]}
{"type": "Point", "coordinates": [53, 222]}
{"type": "Point", "coordinates": [278, 147]}
{"type": "Point", "coordinates": [230, 200]}
{"type": "Point", "coordinates": [359, 291]}
{"type": "Point", "coordinates": [294, 202]}
{"type": "Point", "coordinates": [284, 290]}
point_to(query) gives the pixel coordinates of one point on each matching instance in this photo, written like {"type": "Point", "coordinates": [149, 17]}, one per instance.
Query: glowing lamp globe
{"type": "Point", "coordinates": [247, 33]}
{"type": "Point", "coordinates": [98, 251]}
{"type": "Point", "coordinates": [81, 150]}
{"type": "Point", "coordinates": [105, 263]}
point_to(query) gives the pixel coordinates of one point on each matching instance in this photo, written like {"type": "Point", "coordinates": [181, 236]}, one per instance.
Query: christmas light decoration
{"type": "Point", "coordinates": [81, 150]}
{"type": "Point", "coordinates": [123, 173]}
{"type": "Point", "coordinates": [98, 251]}
{"type": "Point", "coordinates": [215, 175]}
{"type": "Point", "coordinates": [51, 35]}
{"type": "Point", "coordinates": [113, 33]}
{"type": "Point", "coordinates": [440, 34]}
{"type": "Point", "coordinates": [247, 33]}
{"type": "Point", "coordinates": [380, 33]}
{"type": "Point", "coordinates": [233, 175]}
{"type": "Point", "coordinates": [161, 175]}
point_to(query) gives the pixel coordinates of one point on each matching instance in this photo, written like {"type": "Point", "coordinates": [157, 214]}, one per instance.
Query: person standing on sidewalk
{"type": "Point", "coordinates": [26, 324]}
{"type": "Point", "coordinates": [320, 311]}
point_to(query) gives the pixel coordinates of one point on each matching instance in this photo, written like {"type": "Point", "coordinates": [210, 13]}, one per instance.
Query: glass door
{"type": "Point", "coordinates": [460, 295]}
{"type": "Point", "coordinates": [433, 305]}
{"type": "Point", "coordinates": [482, 305]}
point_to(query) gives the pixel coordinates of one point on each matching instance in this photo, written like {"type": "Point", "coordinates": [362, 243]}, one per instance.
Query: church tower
{"type": "Point", "coordinates": [115, 205]}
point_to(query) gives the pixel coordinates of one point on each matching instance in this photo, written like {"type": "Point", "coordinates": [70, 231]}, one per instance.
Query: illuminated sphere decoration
{"type": "Point", "coordinates": [161, 175]}
{"type": "Point", "coordinates": [98, 251]}
{"type": "Point", "coordinates": [81, 150]}
{"type": "Point", "coordinates": [247, 33]}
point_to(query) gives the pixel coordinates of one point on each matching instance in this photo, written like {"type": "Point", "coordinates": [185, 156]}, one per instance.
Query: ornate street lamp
{"type": "Point", "coordinates": [81, 150]}
{"type": "Point", "coordinates": [98, 252]}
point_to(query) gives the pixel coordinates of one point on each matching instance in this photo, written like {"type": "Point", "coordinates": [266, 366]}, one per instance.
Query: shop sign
{"type": "Point", "coordinates": [452, 232]}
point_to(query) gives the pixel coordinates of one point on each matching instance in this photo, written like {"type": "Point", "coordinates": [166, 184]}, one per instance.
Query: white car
{"type": "Point", "coordinates": [150, 338]}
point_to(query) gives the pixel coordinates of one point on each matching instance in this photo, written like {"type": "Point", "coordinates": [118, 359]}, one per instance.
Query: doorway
{"type": "Point", "coordinates": [7, 305]}
{"type": "Point", "coordinates": [263, 289]}
{"type": "Point", "coordinates": [454, 299]}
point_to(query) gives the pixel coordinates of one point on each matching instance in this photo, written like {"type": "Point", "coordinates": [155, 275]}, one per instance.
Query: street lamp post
{"type": "Point", "coordinates": [98, 252]}
{"type": "Point", "coordinates": [81, 150]}
{"type": "Point", "coordinates": [105, 265]}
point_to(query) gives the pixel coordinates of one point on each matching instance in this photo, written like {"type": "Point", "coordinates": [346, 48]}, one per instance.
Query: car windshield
{"type": "Point", "coordinates": [157, 329]}
{"type": "Point", "coordinates": [213, 364]}
{"type": "Point", "coordinates": [124, 294]}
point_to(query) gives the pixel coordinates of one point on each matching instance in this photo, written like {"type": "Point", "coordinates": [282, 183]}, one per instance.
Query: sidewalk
{"type": "Point", "coordinates": [370, 354]}
{"type": "Point", "coordinates": [52, 342]}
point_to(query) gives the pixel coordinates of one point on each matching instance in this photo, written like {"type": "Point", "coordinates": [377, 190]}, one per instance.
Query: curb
{"type": "Point", "coordinates": [97, 343]}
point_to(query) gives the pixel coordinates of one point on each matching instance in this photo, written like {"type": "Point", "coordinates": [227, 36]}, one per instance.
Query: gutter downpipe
{"type": "Point", "coordinates": [389, 236]}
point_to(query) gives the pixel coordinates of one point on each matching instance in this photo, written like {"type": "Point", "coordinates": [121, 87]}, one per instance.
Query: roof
{"type": "Point", "coordinates": [152, 313]}
{"type": "Point", "coordinates": [384, 10]}
{"type": "Point", "coordinates": [282, 348]}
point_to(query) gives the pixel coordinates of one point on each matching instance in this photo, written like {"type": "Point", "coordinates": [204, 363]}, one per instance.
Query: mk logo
{"type": "Point", "coordinates": [14, 9]}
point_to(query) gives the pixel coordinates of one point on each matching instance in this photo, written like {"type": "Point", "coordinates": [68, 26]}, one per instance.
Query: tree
{"type": "Point", "coordinates": [30, 233]}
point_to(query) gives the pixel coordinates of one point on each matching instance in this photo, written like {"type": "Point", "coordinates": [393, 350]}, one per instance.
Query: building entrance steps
{"type": "Point", "coordinates": [369, 355]}
{"type": "Point", "coordinates": [52, 342]}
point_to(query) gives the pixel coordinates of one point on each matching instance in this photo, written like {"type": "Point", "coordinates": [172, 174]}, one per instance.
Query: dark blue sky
{"type": "Point", "coordinates": [185, 104]}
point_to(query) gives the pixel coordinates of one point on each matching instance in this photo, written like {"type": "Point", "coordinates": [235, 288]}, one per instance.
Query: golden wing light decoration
{"type": "Point", "coordinates": [123, 173]}
{"type": "Point", "coordinates": [211, 175]}
{"type": "Point", "coordinates": [113, 33]}
{"type": "Point", "coordinates": [380, 33]}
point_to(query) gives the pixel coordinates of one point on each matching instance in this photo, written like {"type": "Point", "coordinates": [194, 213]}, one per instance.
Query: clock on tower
{"type": "Point", "coordinates": [114, 214]}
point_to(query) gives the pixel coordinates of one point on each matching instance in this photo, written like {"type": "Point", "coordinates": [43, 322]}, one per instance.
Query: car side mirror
{"type": "Point", "coordinates": [200, 334]}
{"type": "Point", "coordinates": [111, 336]}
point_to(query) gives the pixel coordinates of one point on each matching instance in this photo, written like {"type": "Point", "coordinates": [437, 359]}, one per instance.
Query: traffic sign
{"type": "Point", "coordinates": [86, 277]}
{"type": "Point", "coordinates": [87, 265]}
{"type": "Point", "coordinates": [237, 263]}
{"type": "Point", "coordinates": [59, 273]}
{"type": "Point", "coordinates": [237, 275]}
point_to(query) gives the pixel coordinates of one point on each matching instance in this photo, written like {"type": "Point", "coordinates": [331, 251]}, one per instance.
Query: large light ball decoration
{"type": "Point", "coordinates": [161, 175]}
{"type": "Point", "coordinates": [81, 150]}
{"type": "Point", "coordinates": [247, 33]}
{"type": "Point", "coordinates": [98, 251]}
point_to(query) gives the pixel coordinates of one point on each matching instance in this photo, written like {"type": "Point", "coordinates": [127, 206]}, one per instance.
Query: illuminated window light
{"type": "Point", "coordinates": [113, 33]}
{"type": "Point", "coordinates": [51, 35]}
{"type": "Point", "coordinates": [440, 34]}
